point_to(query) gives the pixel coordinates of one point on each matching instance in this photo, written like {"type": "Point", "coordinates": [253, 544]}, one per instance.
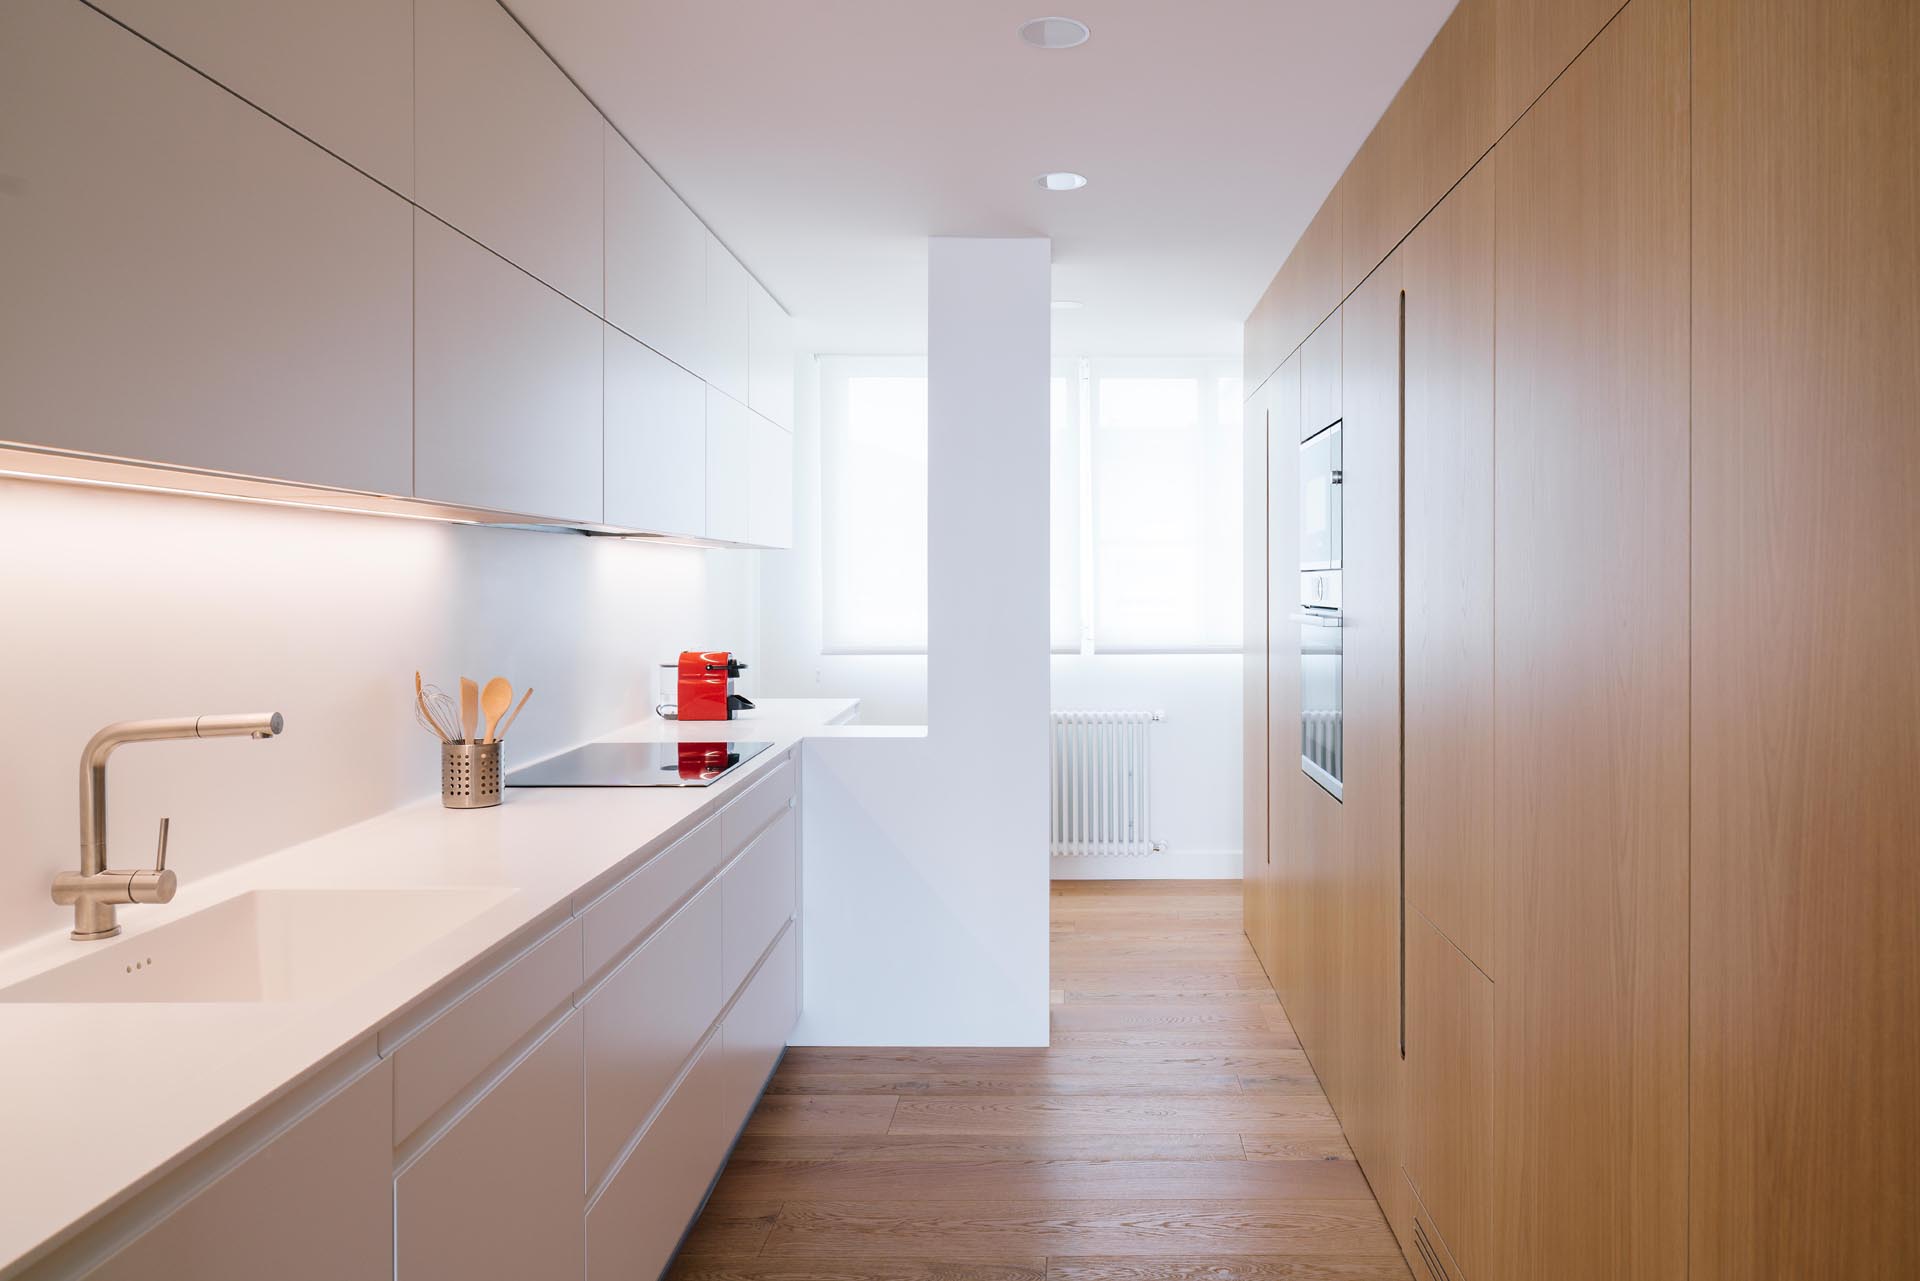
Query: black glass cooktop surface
{"type": "Point", "coordinates": [638, 765]}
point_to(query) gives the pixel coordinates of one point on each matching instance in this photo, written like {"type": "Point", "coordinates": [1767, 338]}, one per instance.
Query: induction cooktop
{"type": "Point", "coordinates": [638, 765]}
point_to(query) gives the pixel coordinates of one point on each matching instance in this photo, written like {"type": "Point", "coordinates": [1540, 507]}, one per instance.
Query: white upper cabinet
{"type": "Point", "coordinates": [656, 441]}
{"type": "Point", "coordinates": [656, 259]}
{"type": "Point", "coordinates": [770, 485]}
{"type": "Point", "coordinates": [730, 441]}
{"type": "Point", "coordinates": [184, 281]}
{"type": "Point", "coordinates": [729, 355]}
{"type": "Point", "coordinates": [505, 148]}
{"type": "Point", "coordinates": [506, 385]}
{"type": "Point", "coordinates": [772, 351]}
{"type": "Point", "coordinates": [339, 71]}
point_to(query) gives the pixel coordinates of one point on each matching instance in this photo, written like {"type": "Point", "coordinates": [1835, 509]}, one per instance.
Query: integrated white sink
{"type": "Point", "coordinates": [267, 945]}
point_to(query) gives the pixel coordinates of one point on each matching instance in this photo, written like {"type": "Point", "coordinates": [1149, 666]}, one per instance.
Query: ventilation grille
{"type": "Point", "coordinates": [1428, 1254]}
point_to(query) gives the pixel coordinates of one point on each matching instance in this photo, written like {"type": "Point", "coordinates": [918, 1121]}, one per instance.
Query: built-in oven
{"type": "Point", "coordinates": [1319, 613]}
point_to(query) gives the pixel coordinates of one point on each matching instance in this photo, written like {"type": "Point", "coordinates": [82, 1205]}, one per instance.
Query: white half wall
{"type": "Point", "coordinates": [926, 866]}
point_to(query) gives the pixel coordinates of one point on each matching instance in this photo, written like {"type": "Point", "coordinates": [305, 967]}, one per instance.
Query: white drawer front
{"type": "Point", "coordinates": [760, 891]}
{"type": "Point", "coordinates": [435, 1064]}
{"type": "Point", "coordinates": [645, 1020]}
{"type": "Point", "coordinates": [636, 904]}
{"type": "Point", "coordinates": [744, 818]}
{"type": "Point", "coordinates": [633, 1228]}
{"type": "Point", "coordinates": [756, 1029]}
{"type": "Point", "coordinates": [498, 1194]}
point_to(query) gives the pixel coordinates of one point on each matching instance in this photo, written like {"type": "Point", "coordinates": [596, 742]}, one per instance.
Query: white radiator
{"type": "Point", "coordinates": [1102, 764]}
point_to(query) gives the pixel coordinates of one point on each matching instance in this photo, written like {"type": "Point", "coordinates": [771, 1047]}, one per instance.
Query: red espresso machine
{"type": "Point", "coordinates": [705, 687]}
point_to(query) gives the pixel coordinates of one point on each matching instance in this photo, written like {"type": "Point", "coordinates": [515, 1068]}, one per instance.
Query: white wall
{"type": "Point", "coordinates": [925, 872]}
{"type": "Point", "coordinates": [116, 605]}
{"type": "Point", "coordinates": [1196, 786]}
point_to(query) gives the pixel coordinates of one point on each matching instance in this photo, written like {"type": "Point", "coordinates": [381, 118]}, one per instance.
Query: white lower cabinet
{"type": "Point", "coordinates": [755, 1033]}
{"type": "Point", "coordinates": [645, 1020]}
{"type": "Point", "coordinates": [311, 1205]}
{"type": "Point", "coordinates": [633, 1228]}
{"type": "Point", "coordinates": [759, 892]}
{"type": "Point", "coordinates": [498, 1193]}
{"type": "Point", "coordinates": [559, 1114]}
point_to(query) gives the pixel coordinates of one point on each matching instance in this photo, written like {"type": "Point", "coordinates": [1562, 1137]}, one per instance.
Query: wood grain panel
{"type": "Point", "coordinates": [1590, 601]}
{"type": "Point", "coordinates": [1449, 1115]}
{"type": "Point", "coordinates": [1320, 388]}
{"type": "Point", "coordinates": [1367, 961]}
{"type": "Point", "coordinates": [1303, 293]}
{"type": "Point", "coordinates": [1534, 41]}
{"type": "Point", "coordinates": [1439, 124]}
{"type": "Point", "coordinates": [1449, 565]}
{"type": "Point", "coordinates": [1806, 694]}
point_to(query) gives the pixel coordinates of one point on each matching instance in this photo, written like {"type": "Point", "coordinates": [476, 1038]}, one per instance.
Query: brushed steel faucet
{"type": "Point", "coordinates": [96, 890]}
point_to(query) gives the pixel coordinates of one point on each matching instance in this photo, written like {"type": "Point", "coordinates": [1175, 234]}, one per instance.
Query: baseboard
{"type": "Point", "coordinates": [1170, 865]}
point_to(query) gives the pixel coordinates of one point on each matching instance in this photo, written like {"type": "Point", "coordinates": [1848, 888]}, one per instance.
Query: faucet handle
{"type": "Point", "coordinates": [160, 855]}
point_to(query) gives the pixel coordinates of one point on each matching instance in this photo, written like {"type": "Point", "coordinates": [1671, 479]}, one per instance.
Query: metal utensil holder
{"type": "Point", "coordinates": [469, 775]}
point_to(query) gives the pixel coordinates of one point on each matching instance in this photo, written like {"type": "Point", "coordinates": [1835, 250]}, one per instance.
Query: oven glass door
{"type": "Point", "coordinates": [1320, 739]}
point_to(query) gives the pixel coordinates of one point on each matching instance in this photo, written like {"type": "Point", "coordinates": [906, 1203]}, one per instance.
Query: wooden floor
{"type": "Point", "coordinates": [1172, 1130]}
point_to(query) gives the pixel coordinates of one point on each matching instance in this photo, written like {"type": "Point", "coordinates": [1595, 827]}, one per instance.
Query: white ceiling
{"type": "Point", "coordinates": [825, 140]}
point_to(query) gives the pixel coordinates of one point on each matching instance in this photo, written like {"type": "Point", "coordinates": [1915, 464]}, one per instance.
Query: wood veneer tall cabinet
{"type": "Point", "coordinates": [1590, 606]}
{"type": "Point", "coordinates": [1367, 870]}
{"type": "Point", "coordinates": [1805, 1073]}
{"type": "Point", "coordinates": [1659, 955]}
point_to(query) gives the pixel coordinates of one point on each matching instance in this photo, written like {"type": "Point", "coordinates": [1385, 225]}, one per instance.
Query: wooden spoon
{"type": "Point", "coordinates": [495, 699]}
{"type": "Point", "coordinates": [469, 709]}
{"type": "Point", "coordinates": [502, 731]}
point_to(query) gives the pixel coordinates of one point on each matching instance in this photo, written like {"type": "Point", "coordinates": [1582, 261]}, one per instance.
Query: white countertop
{"type": "Point", "coordinates": [198, 1070]}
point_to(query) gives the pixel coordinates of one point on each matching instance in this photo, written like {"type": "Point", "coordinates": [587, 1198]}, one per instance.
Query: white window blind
{"type": "Point", "coordinates": [1145, 521]}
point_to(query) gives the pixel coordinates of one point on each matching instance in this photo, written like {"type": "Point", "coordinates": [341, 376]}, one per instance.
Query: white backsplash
{"type": "Point", "coordinates": [116, 605]}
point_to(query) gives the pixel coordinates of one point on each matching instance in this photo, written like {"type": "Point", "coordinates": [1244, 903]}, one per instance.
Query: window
{"type": "Point", "coordinates": [1145, 513]}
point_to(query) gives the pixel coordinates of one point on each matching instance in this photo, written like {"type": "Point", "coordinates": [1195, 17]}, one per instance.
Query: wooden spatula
{"type": "Point", "coordinates": [469, 709]}
{"type": "Point", "coordinates": [495, 699]}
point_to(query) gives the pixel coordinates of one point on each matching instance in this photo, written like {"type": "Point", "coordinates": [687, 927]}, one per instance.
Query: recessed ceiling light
{"type": "Point", "coordinates": [1061, 181]}
{"type": "Point", "coordinates": [1067, 304]}
{"type": "Point", "coordinates": [1054, 33]}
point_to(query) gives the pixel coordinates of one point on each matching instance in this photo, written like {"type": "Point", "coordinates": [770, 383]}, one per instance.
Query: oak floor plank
{"type": "Point", "coordinates": [1384, 1267]}
{"type": "Point", "coordinates": [1002, 1229]}
{"type": "Point", "coordinates": [736, 1229]}
{"type": "Point", "coordinates": [1115, 1114]}
{"type": "Point", "coordinates": [763, 1269]}
{"type": "Point", "coordinates": [938, 1149]}
{"type": "Point", "coordinates": [929, 1084]}
{"type": "Point", "coordinates": [1173, 1130]}
{"type": "Point", "coordinates": [1128, 1064]}
{"type": "Point", "coordinates": [759, 1181]}
{"type": "Point", "coordinates": [822, 1114]}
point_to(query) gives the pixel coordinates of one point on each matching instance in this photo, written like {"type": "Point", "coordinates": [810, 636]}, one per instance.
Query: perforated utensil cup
{"type": "Point", "coordinates": [469, 775]}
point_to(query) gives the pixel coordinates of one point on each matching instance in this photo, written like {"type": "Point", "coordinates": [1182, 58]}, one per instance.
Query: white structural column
{"type": "Point", "coordinates": [926, 857]}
